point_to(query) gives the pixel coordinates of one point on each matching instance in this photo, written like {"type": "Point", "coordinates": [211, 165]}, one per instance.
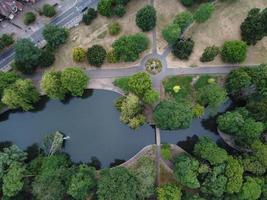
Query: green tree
{"type": "Point", "coordinates": [79, 54]}
{"type": "Point", "coordinates": [171, 33]}
{"type": "Point", "coordinates": [234, 173]}
{"type": "Point", "coordinates": [186, 171]}
{"type": "Point", "coordinates": [7, 40]}
{"type": "Point", "coordinates": [96, 55]}
{"type": "Point", "coordinates": [47, 58]}
{"type": "Point", "coordinates": [117, 184]}
{"type": "Point", "coordinates": [182, 48]}
{"type": "Point", "coordinates": [183, 19]}
{"type": "Point", "coordinates": [29, 18]}
{"type": "Point", "coordinates": [74, 80]}
{"type": "Point", "coordinates": [188, 2]}
{"type": "Point", "coordinates": [169, 191]}
{"type": "Point", "coordinates": [146, 18]}
{"type": "Point", "coordinates": [6, 79]}
{"type": "Point", "coordinates": [151, 96]}
{"type": "Point", "coordinates": [52, 85]}
{"type": "Point", "coordinates": [206, 149]}
{"type": "Point", "coordinates": [234, 51]}
{"type": "Point", "coordinates": [48, 10]}
{"type": "Point", "coordinates": [253, 165]}
{"type": "Point", "coordinates": [140, 83]}
{"type": "Point", "coordinates": [128, 47]}
{"type": "Point", "coordinates": [204, 12]}
{"type": "Point", "coordinates": [172, 115]}
{"type": "Point", "coordinates": [209, 54]}
{"type": "Point", "coordinates": [112, 57]}
{"type": "Point", "coordinates": [89, 16]}
{"type": "Point", "coordinates": [260, 150]}
{"type": "Point", "coordinates": [251, 131]}
{"type": "Point", "coordinates": [26, 56]}
{"type": "Point", "coordinates": [82, 183]}
{"type": "Point", "coordinates": [104, 8]}
{"type": "Point", "coordinates": [55, 35]}
{"type": "Point", "coordinates": [251, 189]}
{"type": "Point", "coordinates": [13, 180]}
{"type": "Point", "coordinates": [22, 94]}
{"type": "Point", "coordinates": [119, 10]}
{"type": "Point", "coordinates": [114, 28]}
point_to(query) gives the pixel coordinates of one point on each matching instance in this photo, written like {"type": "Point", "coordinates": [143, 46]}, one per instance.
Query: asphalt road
{"type": "Point", "coordinates": [63, 19]}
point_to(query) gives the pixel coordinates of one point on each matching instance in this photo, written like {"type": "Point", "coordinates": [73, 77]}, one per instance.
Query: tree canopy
{"type": "Point", "coordinates": [146, 18]}
{"type": "Point", "coordinates": [55, 35]}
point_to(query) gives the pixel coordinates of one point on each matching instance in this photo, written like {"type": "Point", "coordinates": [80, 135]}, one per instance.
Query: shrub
{"type": "Point", "coordinates": [204, 12]}
{"type": "Point", "coordinates": [171, 115]}
{"type": "Point", "coordinates": [128, 47]}
{"type": "Point", "coordinates": [122, 83]}
{"type": "Point", "coordinates": [182, 48]}
{"type": "Point", "coordinates": [188, 2]}
{"type": "Point", "coordinates": [140, 83]}
{"type": "Point", "coordinates": [251, 189]}
{"type": "Point", "coordinates": [119, 10]}
{"type": "Point", "coordinates": [165, 151]}
{"type": "Point", "coordinates": [114, 28]}
{"type": "Point", "coordinates": [47, 58]}
{"type": "Point", "coordinates": [48, 10]}
{"type": "Point", "coordinates": [151, 97]}
{"type": "Point", "coordinates": [96, 55]}
{"type": "Point", "coordinates": [198, 111]}
{"type": "Point", "coordinates": [112, 57]}
{"type": "Point", "coordinates": [183, 19]}
{"type": "Point", "coordinates": [169, 192]}
{"type": "Point", "coordinates": [78, 54]}
{"type": "Point", "coordinates": [104, 8]}
{"type": "Point", "coordinates": [146, 18]}
{"type": "Point", "coordinates": [7, 40]}
{"type": "Point", "coordinates": [171, 33]}
{"type": "Point", "coordinates": [89, 16]}
{"type": "Point", "coordinates": [209, 54]}
{"type": "Point", "coordinates": [234, 51]}
{"type": "Point", "coordinates": [29, 18]}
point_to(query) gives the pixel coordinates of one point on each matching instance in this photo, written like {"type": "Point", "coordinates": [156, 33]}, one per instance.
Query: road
{"type": "Point", "coordinates": [62, 20]}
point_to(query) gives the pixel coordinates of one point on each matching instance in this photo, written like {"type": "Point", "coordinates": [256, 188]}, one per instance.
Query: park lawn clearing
{"type": "Point", "coordinates": [223, 25]}
{"type": "Point", "coordinates": [97, 33]}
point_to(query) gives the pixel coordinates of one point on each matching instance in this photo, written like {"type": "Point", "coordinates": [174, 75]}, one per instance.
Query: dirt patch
{"type": "Point", "coordinates": [166, 11]}
{"type": "Point", "coordinates": [223, 25]}
{"type": "Point", "coordinates": [97, 33]}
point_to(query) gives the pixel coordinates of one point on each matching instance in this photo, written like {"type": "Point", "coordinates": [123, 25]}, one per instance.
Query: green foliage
{"type": "Point", "coordinates": [203, 81]}
{"type": "Point", "coordinates": [169, 191]}
{"type": "Point", "coordinates": [234, 173]}
{"type": "Point", "coordinates": [165, 151]}
{"type": "Point", "coordinates": [257, 109]}
{"type": "Point", "coordinates": [55, 35]}
{"type": "Point", "coordinates": [29, 18]}
{"type": "Point", "coordinates": [82, 182]}
{"type": "Point", "coordinates": [48, 10]}
{"type": "Point", "coordinates": [119, 10]}
{"type": "Point", "coordinates": [260, 150]}
{"type": "Point", "coordinates": [52, 85]}
{"type": "Point", "coordinates": [7, 79]}
{"type": "Point", "coordinates": [79, 54]}
{"type": "Point", "coordinates": [253, 165]}
{"type": "Point", "coordinates": [122, 83]}
{"type": "Point", "coordinates": [183, 19]}
{"type": "Point", "coordinates": [146, 18]}
{"type": "Point", "coordinates": [182, 48]}
{"type": "Point", "coordinates": [114, 28]}
{"type": "Point", "coordinates": [104, 8]}
{"type": "Point", "coordinates": [172, 115]}
{"type": "Point", "coordinates": [117, 184]}
{"type": "Point", "coordinates": [259, 79]}
{"type": "Point", "coordinates": [186, 171]}
{"type": "Point", "coordinates": [209, 53]}
{"type": "Point", "coordinates": [206, 149]}
{"type": "Point", "coordinates": [122, 2]}
{"type": "Point", "coordinates": [151, 97]}
{"type": "Point", "coordinates": [112, 57]}
{"type": "Point", "coordinates": [234, 51]}
{"type": "Point", "coordinates": [140, 83]}
{"type": "Point", "coordinates": [26, 56]}
{"type": "Point", "coordinates": [22, 94]}
{"type": "Point", "coordinates": [188, 2]}
{"type": "Point", "coordinates": [47, 58]}
{"type": "Point", "coordinates": [6, 40]}
{"type": "Point", "coordinates": [204, 12]}
{"type": "Point", "coordinates": [96, 55]}
{"type": "Point", "coordinates": [128, 47]}
{"type": "Point", "coordinates": [171, 33]}
{"type": "Point", "coordinates": [74, 80]}
{"type": "Point", "coordinates": [13, 180]}
{"type": "Point", "coordinates": [198, 110]}
{"type": "Point", "coordinates": [251, 189]}
{"type": "Point", "coordinates": [89, 16]}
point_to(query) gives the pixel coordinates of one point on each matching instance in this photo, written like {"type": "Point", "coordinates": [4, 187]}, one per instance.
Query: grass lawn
{"type": "Point", "coordinates": [223, 25]}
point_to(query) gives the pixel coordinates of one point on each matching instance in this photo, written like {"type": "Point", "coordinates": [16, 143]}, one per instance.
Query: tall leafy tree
{"type": "Point", "coordinates": [169, 191]}
{"type": "Point", "coordinates": [251, 189]}
{"type": "Point", "coordinates": [55, 35]}
{"type": "Point", "coordinates": [104, 8]}
{"type": "Point", "coordinates": [140, 83]}
{"type": "Point", "coordinates": [146, 18]}
{"type": "Point", "coordinates": [6, 79]}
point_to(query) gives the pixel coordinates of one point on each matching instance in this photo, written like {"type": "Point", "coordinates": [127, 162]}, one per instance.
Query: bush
{"type": "Point", "coordinates": [78, 54]}
{"type": "Point", "coordinates": [128, 47]}
{"type": "Point", "coordinates": [114, 28]}
{"type": "Point", "coordinates": [89, 16]}
{"type": "Point", "coordinates": [47, 58]}
{"type": "Point", "coordinates": [171, 33]}
{"type": "Point", "coordinates": [122, 83]}
{"type": "Point", "coordinates": [184, 19]}
{"type": "Point", "coordinates": [151, 96]}
{"type": "Point", "coordinates": [140, 83]}
{"type": "Point", "coordinates": [104, 8]}
{"type": "Point", "coordinates": [96, 55]}
{"type": "Point", "coordinates": [48, 10]}
{"type": "Point", "coordinates": [182, 48]}
{"type": "Point", "coordinates": [7, 40]}
{"type": "Point", "coordinates": [112, 57]}
{"type": "Point", "coordinates": [29, 18]}
{"type": "Point", "coordinates": [204, 12]}
{"type": "Point", "coordinates": [209, 54]}
{"type": "Point", "coordinates": [121, 2]}
{"type": "Point", "coordinates": [171, 115]}
{"type": "Point", "coordinates": [146, 18]}
{"type": "Point", "coordinates": [165, 151]}
{"type": "Point", "coordinates": [188, 2]}
{"type": "Point", "coordinates": [119, 10]}
{"type": "Point", "coordinates": [234, 51]}
{"type": "Point", "coordinates": [169, 192]}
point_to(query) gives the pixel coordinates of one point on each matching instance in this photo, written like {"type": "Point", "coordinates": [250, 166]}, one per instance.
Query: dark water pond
{"type": "Point", "coordinates": [94, 128]}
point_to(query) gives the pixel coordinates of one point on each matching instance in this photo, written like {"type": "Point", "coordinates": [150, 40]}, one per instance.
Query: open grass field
{"type": "Point", "coordinates": [223, 25]}
{"type": "Point", "coordinates": [97, 33]}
